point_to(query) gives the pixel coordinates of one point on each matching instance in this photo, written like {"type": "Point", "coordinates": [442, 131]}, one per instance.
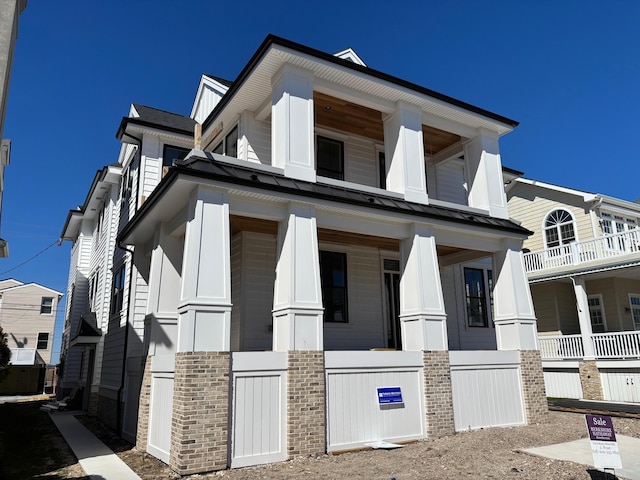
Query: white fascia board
{"type": "Point", "coordinates": [33, 284]}
{"type": "Point", "coordinates": [617, 205]}
{"type": "Point", "coordinates": [586, 196]}
{"type": "Point", "coordinates": [162, 134]}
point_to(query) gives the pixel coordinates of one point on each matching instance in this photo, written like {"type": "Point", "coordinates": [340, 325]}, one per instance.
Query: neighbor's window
{"type": "Point", "coordinates": [558, 228]}
{"type": "Point", "coordinates": [478, 296]}
{"type": "Point", "coordinates": [330, 158]}
{"type": "Point", "coordinates": [333, 278]}
{"type": "Point", "coordinates": [117, 291]}
{"type": "Point", "coordinates": [46, 306]}
{"type": "Point", "coordinates": [43, 341]}
{"type": "Point", "coordinates": [596, 313]}
{"type": "Point", "coordinates": [172, 153]}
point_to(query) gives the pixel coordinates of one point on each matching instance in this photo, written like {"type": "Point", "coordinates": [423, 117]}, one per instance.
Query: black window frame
{"type": "Point", "coordinates": [476, 299]}
{"type": "Point", "coordinates": [322, 169]}
{"type": "Point", "coordinates": [117, 291]}
{"type": "Point", "coordinates": [40, 340]}
{"type": "Point", "coordinates": [168, 159]}
{"type": "Point", "coordinates": [334, 289]}
{"type": "Point", "coordinates": [382, 170]}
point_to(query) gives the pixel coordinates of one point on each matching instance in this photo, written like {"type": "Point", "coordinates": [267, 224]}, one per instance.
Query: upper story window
{"type": "Point", "coordinates": [117, 291]}
{"type": "Point", "coordinates": [171, 154]}
{"type": "Point", "coordinates": [228, 146]}
{"type": "Point", "coordinates": [330, 158]}
{"type": "Point", "coordinates": [559, 228]}
{"type": "Point", "coordinates": [333, 279]}
{"type": "Point", "coordinates": [382, 171]}
{"type": "Point", "coordinates": [616, 223]}
{"type": "Point", "coordinates": [46, 306]}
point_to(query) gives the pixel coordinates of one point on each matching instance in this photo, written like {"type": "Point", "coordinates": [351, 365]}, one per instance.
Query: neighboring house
{"type": "Point", "coordinates": [10, 11]}
{"type": "Point", "coordinates": [320, 257]}
{"type": "Point", "coordinates": [583, 263]}
{"type": "Point", "coordinates": [28, 317]}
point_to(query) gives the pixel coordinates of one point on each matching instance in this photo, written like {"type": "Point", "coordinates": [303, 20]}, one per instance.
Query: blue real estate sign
{"type": "Point", "coordinates": [387, 395]}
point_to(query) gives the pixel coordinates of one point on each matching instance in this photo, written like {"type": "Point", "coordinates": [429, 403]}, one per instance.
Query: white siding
{"type": "Point", "coordinates": [354, 416]}
{"type": "Point", "coordinates": [259, 142]}
{"type": "Point", "coordinates": [621, 385]}
{"type": "Point", "coordinates": [450, 178]}
{"type": "Point", "coordinates": [562, 383]}
{"type": "Point", "coordinates": [160, 415]}
{"type": "Point", "coordinates": [360, 161]}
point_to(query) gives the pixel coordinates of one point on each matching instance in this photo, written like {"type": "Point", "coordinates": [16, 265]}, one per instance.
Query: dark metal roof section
{"type": "Point", "coordinates": [247, 176]}
{"type": "Point", "coordinates": [275, 40]}
{"type": "Point", "coordinates": [154, 117]}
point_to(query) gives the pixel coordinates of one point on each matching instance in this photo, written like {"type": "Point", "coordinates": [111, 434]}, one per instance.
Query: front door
{"type": "Point", "coordinates": [392, 303]}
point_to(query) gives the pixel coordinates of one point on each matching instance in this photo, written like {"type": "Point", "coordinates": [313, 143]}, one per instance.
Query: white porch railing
{"type": "Point", "coordinates": [576, 253]}
{"type": "Point", "coordinates": [605, 345]}
{"type": "Point", "coordinates": [617, 345]}
{"type": "Point", "coordinates": [561, 347]}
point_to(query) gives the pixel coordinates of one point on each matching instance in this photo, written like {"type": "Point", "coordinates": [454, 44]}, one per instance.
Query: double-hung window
{"type": "Point", "coordinates": [479, 296]}
{"type": "Point", "coordinates": [43, 341]}
{"type": "Point", "coordinates": [330, 158]}
{"type": "Point", "coordinates": [596, 313]}
{"type": "Point", "coordinates": [333, 279]}
{"type": "Point", "coordinates": [46, 306]}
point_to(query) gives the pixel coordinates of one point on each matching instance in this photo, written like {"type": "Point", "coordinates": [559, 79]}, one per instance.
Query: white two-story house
{"type": "Point", "coordinates": [583, 263]}
{"type": "Point", "coordinates": [329, 263]}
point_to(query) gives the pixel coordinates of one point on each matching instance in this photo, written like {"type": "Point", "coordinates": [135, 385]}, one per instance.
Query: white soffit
{"type": "Point", "coordinates": [257, 88]}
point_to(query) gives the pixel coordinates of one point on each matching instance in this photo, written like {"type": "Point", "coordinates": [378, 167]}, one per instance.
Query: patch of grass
{"type": "Point", "coordinates": [30, 444]}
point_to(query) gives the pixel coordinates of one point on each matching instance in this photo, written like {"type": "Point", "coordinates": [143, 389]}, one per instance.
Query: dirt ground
{"type": "Point", "coordinates": [488, 453]}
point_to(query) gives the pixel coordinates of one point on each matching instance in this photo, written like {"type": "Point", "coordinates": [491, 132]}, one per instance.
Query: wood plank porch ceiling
{"type": "Point", "coordinates": [345, 116]}
{"type": "Point", "coordinates": [270, 227]}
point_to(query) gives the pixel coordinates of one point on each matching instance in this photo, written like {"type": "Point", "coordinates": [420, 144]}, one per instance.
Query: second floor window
{"type": "Point", "coordinates": [46, 306]}
{"type": "Point", "coordinates": [43, 341]}
{"type": "Point", "coordinates": [171, 154]}
{"type": "Point", "coordinates": [117, 291]}
{"type": "Point", "coordinates": [330, 158]}
{"type": "Point", "coordinates": [559, 229]}
{"type": "Point", "coordinates": [229, 146]}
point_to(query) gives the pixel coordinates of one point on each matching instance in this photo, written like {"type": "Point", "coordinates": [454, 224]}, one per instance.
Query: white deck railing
{"type": "Point", "coordinates": [605, 345]}
{"type": "Point", "coordinates": [576, 253]}
{"type": "Point", "coordinates": [561, 347]}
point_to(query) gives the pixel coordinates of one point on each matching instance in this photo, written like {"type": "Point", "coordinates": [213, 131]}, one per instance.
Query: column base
{"type": "Point", "coordinates": [590, 380]}
{"type": "Point", "coordinates": [533, 390]}
{"type": "Point", "coordinates": [438, 394]}
{"type": "Point", "coordinates": [142, 431]}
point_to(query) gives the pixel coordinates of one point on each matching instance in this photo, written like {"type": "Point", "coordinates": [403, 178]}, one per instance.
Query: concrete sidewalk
{"type": "Point", "coordinates": [95, 458]}
{"type": "Point", "coordinates": [579, 451]}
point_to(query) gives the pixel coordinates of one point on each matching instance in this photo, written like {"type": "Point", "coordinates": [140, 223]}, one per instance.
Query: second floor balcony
{"type": "Point", "coordinates": [594, 252]}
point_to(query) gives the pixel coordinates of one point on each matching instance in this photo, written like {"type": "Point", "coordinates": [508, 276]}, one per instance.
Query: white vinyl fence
{"type": "Point", "coordinates": [259, 408]}
{"type": "Point", "coordinates": [486, 388]}
{"type": "Point", "coordinates": [355, 415]}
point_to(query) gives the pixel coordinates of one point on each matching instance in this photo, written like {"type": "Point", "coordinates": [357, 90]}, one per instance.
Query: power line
{"type": "Point", "coordinates": [57, 242]}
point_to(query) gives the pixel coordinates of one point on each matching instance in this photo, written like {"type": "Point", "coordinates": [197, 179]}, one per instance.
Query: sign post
{"type": "Point", "coordinates": [604, 446]}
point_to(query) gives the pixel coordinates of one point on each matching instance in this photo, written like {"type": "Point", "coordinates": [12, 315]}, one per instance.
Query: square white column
{"type": "Point", "coordinates": [514, 317]}
{"type": "Point", "coordinates": [297, 296]}
{"type": "Point", "coordinates": [205, 306]}
{"type": "Point", "coordinates": [404, 150]}
{"type": "Point", "coordinates": [584, 318]}
{"type": "Point", "coordinates": [484, 174]}
{"type": "Point", "coordinates": [423, 319]}
{"type": "Point", "coordinates": [292, 123]}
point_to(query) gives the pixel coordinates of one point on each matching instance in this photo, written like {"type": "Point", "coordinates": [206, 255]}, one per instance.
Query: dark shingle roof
{"type": "Point", "coordinates": [163, 118]}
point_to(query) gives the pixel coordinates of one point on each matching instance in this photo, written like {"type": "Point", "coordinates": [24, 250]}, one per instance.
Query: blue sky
{"type": "Point", "coordinates": [568, 71]}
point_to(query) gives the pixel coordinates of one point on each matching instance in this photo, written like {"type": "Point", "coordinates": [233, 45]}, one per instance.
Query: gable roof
{"type": "Point", "coordinates": [154, 117]}
{"type": "Point", "coordinates": [350, 54]}
{"type": "Point", "coordinates": [226, 83]}
{"type": "Point", "coordinates": [32, 284]}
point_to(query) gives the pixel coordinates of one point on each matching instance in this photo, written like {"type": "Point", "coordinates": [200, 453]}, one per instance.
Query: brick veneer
{"type": "Point", "coordinates": [535, 397]}
{"type": "Point", "coordinates": [200, 423]}
{"type": "Point", "coordinates": [306, 403]}
{"type": "Point", "coordinates": [590, 380]}
{"type": "Point", "coordinates": [107, 411]}
{"type": "Point", "coordinates": [437, 391]}
{"type": "Point", "coordinates": [143, 408]}
{"type": "Point", "coordinates": [94, 401]}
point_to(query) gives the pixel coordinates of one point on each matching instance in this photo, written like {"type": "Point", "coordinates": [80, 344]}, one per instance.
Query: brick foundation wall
{"type": "Point", "coordinates": [590, 380]}
{"type": "Point", "coordinates": [143, 408]}
{"type": "Point", "coordinates": [535, 396]}
{"type": "Point", "coordinates": [200, 424]}
{"type": "Point", "coordinates": [306, 415]}
{"type": "Point", "coordinates": [107, 411]}
{"type": "Point", "coordinates": [437, 391]}
{"type": "Point", "coordinates": [94, 401]}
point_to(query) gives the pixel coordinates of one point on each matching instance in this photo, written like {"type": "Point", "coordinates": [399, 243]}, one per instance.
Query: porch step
{"type": "Point", "coordinates": [629, 410]}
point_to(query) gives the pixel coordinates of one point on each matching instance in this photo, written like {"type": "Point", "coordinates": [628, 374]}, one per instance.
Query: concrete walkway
{"type": "Point", "coordinates": [579, 451]}
{"type": "Point", "coordinates": [95, 458]}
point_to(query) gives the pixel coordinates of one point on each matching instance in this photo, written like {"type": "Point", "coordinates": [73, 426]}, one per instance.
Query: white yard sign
{"type": "Point", "coordinates": [604, 446]}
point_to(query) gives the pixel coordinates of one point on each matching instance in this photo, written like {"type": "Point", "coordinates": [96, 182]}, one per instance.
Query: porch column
{"type": "Point", "coordinates": [484, 173]}
{"type": "Point", "coordinates": [423, 318]}
{"type": "Point", "coordinates": [199, 426]}
{"type": "Point", "coordinates": [292, 122]}
{"type": "Point", "coordinates": [404, 149]}
{"type": "Point", "coordinates": [584, 319]}
{"type": "Point", "coordinates": [298, 329]}
{"type": "Point", "coordinates": [514, 317]}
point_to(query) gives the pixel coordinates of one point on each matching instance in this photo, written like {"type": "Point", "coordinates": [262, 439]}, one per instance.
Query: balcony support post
{"type": "Point", "coordinates": [583, 318]}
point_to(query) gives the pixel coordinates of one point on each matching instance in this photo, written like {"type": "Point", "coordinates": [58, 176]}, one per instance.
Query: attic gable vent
{"type": "Point", "coordinates": [350, 55]}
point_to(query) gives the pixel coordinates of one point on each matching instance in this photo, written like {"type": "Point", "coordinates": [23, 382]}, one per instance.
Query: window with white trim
{"type": "Point", "coordinates": [117, 291]}
{"type": "Point", "coordinates": [559, 228]}
{"type": "Point", "coordinates": [229, 145]}
{"type": "Point", "coordinates": [46, 306]}
{"type": "Point", "coordinates": [479, 296]}
{"type": "Point", "coordinates": [596, 313]}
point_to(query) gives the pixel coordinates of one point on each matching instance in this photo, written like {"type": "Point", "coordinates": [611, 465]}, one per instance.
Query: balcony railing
{"type": "Point", "coordinates": [605, 345]}
{"type": "Point", "coordinates": [576, 253]}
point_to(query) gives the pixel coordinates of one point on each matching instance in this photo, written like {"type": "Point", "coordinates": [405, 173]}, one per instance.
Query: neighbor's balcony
{"type": "Point", "coordinates": [602, 249]}
{"type": "Point", "coordinates": [605, 345]}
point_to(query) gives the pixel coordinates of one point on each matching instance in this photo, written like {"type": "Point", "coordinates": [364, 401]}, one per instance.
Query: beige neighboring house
{"type": "Point", "coordinates": [583, 264]}
{"type": "Point", "coordinates": [27, 316]}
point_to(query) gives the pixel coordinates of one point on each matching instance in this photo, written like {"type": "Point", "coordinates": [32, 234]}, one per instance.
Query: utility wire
{"type": "Point", "coordinates": [57, 242]}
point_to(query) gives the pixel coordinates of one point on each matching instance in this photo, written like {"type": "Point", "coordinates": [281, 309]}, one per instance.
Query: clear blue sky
{"type": "Point", "coordinates": [568, 71]}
